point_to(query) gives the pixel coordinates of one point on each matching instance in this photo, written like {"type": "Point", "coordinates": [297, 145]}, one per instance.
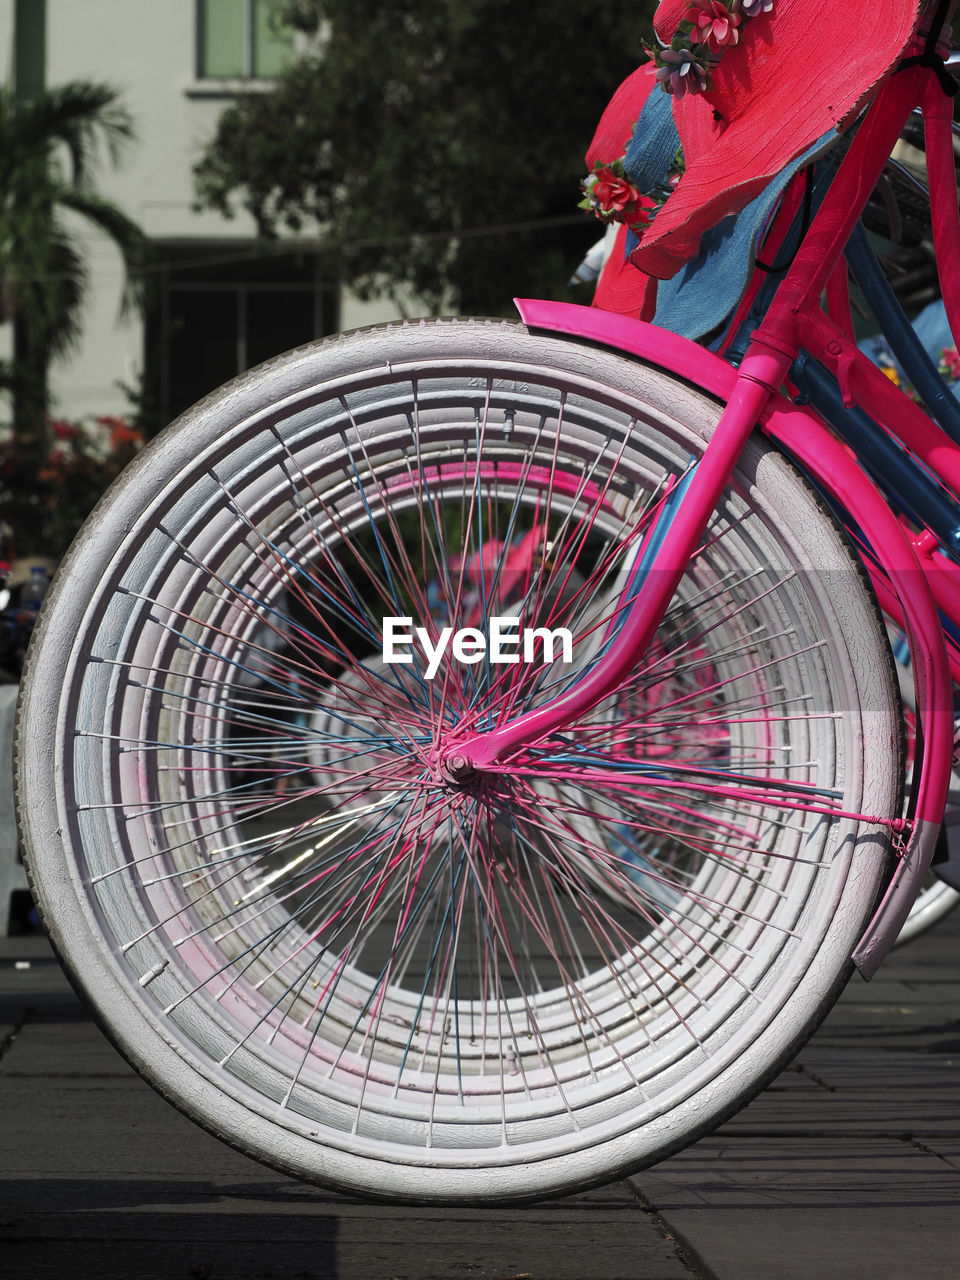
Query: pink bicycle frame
{"type": "Point", "coordinates": [751, 395]}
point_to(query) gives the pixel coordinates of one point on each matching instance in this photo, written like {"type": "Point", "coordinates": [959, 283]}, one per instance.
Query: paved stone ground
{"type": "Point", "coordinates": [847, 1167]}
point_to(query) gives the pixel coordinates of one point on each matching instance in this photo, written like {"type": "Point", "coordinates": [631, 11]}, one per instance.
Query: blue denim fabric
{"type": "Point", "coordinates": [654, 145]}
{"type": "Point", "coordinates": [933, 330]}
{"type": "Point", "coordinates": [706, 289]}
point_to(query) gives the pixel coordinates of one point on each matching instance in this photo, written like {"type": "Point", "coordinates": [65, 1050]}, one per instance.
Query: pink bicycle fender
{"type": "Point", "coordinates": [807, 439]}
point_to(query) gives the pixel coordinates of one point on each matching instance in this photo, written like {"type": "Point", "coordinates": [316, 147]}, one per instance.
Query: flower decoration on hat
{"type": "Point", "coordinates": [609, 194]}
{"type": "Point", "coordinates": [714, 25]}
{"type": "Point", "coordinates": [709, 27]}
{"type": "Point", "coordinates": [612, 197]}
{"type": "Point", "coordinates": [683, 70]}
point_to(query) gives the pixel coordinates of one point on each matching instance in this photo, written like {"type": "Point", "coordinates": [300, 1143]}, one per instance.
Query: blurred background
{"type": "Point", "coordinates": [189, 188]}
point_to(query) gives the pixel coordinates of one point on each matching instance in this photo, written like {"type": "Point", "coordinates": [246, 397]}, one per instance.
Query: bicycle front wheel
{"type": "Point", "coordinates": [306, 931]}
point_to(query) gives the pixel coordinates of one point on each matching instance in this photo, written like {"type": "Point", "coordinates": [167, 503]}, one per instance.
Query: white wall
{"type": "Point", "coordinates": [146, 49]}
{"type": "Point", "coordinates": [6, 38]}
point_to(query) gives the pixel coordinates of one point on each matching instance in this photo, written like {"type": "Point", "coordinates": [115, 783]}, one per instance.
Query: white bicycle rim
{"type": "Point", "coordinates": [389, 982]}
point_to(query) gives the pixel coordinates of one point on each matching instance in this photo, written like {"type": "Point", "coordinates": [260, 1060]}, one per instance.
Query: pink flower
{"type": "Point", "coordinates": [614, 195]}
{"type": "Point", "coordinates": [713, 24]}
{"type": "Point", "coordinates": [950, 363]}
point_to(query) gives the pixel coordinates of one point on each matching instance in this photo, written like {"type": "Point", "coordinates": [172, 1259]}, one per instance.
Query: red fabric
{"type": "Point", "coordinates": [797, 71]}
{"type": "Point", "coordinates": [621, 113]}
{"type": "Point", "coordinates": [621, 287]}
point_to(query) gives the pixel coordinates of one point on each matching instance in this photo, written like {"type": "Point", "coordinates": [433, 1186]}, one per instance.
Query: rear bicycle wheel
{"type": "Point", "coordinates": [322, 946]}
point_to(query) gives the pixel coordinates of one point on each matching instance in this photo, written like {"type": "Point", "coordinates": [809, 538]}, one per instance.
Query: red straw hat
{"type": "Point", "coordinates": [621, 287]}
{"type": "Point", "coordinates": [795, 72]}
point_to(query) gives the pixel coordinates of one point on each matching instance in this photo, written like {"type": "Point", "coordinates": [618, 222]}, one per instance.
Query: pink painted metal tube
{"type": "Point", "coordinates": [681, 541]}
{"type": "Point", "coordinates": [941, 174]}
{"type": "Point", "coordinates": [828, 459]}
{"type": "Point", "coordinates": [838, 471]}
{"type": "Point", "coordinates": [856, 178]}
{"type": "Point", "coordinates": [763, 370]}
{"type": "Point", "coordinates": [944, 596]}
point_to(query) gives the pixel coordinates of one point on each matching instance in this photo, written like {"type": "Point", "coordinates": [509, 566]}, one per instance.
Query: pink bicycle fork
{"type": "Point", "coordinates": [754, 389]}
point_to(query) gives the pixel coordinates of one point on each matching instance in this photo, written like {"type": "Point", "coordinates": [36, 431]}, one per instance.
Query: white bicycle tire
{"type": "Point", "coordinates": [91, 814]}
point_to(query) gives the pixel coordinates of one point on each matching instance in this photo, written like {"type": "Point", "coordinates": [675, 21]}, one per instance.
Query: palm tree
{"type": "Point", "coordinates": [50, 149]}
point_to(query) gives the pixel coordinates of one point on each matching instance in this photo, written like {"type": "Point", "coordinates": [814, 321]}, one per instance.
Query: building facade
{"type": "Point", "coordinates": [218, 303]}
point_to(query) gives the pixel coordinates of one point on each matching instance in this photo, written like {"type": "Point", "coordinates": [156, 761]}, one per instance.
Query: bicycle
{"type": "Point", "coordinates": [702, 305]}
{"type": "Point", "coordinates": [527, 925]}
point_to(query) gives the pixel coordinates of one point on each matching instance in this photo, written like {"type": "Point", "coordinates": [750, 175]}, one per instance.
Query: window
{"type": "Point", "coordinates": [241, 40]}
{"type": "Point", "coordinates": [30, 49]}
{"type": "Point", "coordinates": [219, 308]}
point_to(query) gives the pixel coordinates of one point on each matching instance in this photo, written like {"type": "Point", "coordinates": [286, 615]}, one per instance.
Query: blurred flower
{"type": "Point", "coordinates": [43, 504]}
{"type": "Point", "coordinates": [62, 430]}
{"type": "Point", "coordinates": [121, 433]}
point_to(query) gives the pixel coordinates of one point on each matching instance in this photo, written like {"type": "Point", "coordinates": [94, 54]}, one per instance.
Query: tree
{"type": "Point", "coordinates": [50, 150]}
{"type": "Point", "coordinates": [437, 144]}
